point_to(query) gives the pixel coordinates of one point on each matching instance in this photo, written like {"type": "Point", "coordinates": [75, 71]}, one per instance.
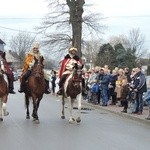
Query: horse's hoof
{"type": "Point", "coordinates": [78, 120]}
{"type": "Point", "coordinates": [71, 121]}
{"type": "Point", "coordinates": [34, 119]}
{"type": "Point", "coordinates": [27, 117]}
{"type": "Point", "coordinates": [62, 117]}
{"type": "Point", "coordinates": [6, 113]}
{"type": "Point", "coordinates": [1, 119]}
{"type": "Point", "coordinates": [37, 121]}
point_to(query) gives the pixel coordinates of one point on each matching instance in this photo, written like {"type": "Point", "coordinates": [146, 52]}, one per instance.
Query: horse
{"type": "Point", "coordinates": [72, 90]}
{"type": "Point", "coordinates": [35, 88]}
{"type": "Point", "coordinates": [4, 91]}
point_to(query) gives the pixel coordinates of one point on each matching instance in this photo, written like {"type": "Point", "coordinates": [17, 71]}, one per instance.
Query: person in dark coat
{"type": "Point", "coordinates": [8, 72]}
{"type": "Point", "coordinates": [140, 87]}
{"type": "Point", "coordinates": [53, 79]}
{"type": "Point", "coordinates": [104, 85]}
{"type": "Point", "coordinates": [112, 86]}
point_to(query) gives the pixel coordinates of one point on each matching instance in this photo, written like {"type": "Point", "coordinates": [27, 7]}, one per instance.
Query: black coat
{"type": "Point", "coordinates": [140, 82]}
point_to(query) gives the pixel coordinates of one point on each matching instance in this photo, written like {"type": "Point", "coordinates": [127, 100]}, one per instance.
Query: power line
{"type": "Point", "coordinates": [138, 16]}
{"type": "Point", "coordinates": [18, 30]}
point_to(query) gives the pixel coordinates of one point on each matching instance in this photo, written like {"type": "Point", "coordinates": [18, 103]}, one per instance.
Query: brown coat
{"type": "Point", "coordinates": [119, 85]}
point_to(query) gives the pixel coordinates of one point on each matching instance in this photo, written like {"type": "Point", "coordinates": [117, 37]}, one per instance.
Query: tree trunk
{"type": "Point", "coordinates": [76, 11]}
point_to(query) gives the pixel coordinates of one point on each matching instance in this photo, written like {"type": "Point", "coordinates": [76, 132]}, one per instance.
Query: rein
{"type": "Point", "coordinates": [36, 72]}
{"type": "Point", "coordinates": [76, 80]}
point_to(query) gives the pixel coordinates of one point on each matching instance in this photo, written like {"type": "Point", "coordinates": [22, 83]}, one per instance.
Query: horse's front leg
{"type": "Point", "coordinates": [38, 102]}
{"type": "Point", "coordinates": [63, 109]}
{"type": "Point", "coordinates": [70, 107]}
{"type": "Point", "coordinates": [4, 106]}
{"type": "Point", "coordinates": [79, 98]}
{"type": "Point", "coordinates": [27, 107]}
{"type": "Point", "coordinates": [34, 114]}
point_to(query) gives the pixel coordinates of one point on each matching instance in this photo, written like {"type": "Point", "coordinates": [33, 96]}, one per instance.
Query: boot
{"type": "Point", "coordinates": [47, 89]}
{"type": "Point", "coordinates": [11, 85]}
{"type": "Point", "coordinates": [11, 91]}
{"type": "Point", "coordinates": [22, 86]}
{"type": "Point", "coordinates": [59, 92]}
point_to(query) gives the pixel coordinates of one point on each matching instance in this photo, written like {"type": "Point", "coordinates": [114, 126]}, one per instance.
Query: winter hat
{"type": "Point", "coordinates": [73, 49]}
{"type": "Point", "coordinates": [35, 45]}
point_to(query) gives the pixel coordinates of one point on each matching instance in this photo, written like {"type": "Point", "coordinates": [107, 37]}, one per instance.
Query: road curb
{"type": "Point", "coordinates": [129, 116]}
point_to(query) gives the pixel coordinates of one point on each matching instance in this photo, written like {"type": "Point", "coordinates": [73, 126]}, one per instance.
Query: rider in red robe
{"type": "Point", "coordinates": [8, 72]}
{"type": "Point", "coordinates": [66, 66]}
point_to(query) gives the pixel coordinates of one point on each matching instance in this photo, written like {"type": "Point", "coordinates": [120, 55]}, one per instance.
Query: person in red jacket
{"type": "Point", "coordinates": [67, 66]}
{"type": "Point", "coordinates": [8, 72]}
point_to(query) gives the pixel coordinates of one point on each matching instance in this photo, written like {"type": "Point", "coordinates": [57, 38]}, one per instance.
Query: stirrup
{"type": "Point", "coordinates": [20, 91]}
{"type": "Point", "coordinates": [59, 92]}
{"type": "Point", "coordinates": [47, 91]}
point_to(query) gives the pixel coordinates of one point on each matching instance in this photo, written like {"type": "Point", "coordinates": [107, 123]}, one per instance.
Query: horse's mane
{"type": "Point", "coordinates": [74, 82]}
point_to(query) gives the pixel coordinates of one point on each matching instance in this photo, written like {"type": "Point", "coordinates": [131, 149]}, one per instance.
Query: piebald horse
{"type": "Point", "coordinates": [4, 91]}
{"type": "Point", "coordinates": [73, 91]}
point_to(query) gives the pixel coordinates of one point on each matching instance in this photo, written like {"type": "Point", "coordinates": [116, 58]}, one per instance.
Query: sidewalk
{"type": "Point", "coordinates": [117, 110]}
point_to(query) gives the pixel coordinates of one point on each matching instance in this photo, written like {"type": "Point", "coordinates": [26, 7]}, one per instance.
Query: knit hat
{"type": "Point", "coordinates": [35, 45]}
{"type": "Point", "coordinates": [73, 49]}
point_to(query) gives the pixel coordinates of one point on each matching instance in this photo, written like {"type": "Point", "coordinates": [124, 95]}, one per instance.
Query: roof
{"type": "Point", "coordinates": [2, 42]}
{"type": "Point", "coordinates": [10, 58]}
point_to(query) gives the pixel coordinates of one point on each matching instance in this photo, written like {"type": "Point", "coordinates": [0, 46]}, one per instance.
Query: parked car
{"type": "Point", "coordinates": [15, 74]}
{"type": "Point", "coordinates": [148, 90]}
{"type": "Point", "coordinates": [19, 72]}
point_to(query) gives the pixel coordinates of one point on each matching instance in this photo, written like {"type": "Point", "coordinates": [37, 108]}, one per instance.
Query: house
{"type": "Point", "coordinates": [2, 44]}
{"type": "Point", "coordinates": [12, 61]}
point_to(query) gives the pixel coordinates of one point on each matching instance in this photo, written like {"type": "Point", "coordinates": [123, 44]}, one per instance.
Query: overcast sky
{"type": "Point", "coordinates": [123, 15]}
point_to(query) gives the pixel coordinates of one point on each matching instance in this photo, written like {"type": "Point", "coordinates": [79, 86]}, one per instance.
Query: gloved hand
{"type": "Point", "coordinates": [31, 64]}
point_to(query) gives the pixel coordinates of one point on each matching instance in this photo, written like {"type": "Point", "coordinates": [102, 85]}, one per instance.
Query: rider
{"type": "Point", "coordinates": [67, 65]}
{"type": "Point", "coordinates": [8, 72]}
{"type": "Point", "coordinates": [29, 62]}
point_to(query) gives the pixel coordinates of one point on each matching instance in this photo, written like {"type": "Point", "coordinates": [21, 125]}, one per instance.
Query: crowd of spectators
{"type": "Point", "coordinates": [120, 86]}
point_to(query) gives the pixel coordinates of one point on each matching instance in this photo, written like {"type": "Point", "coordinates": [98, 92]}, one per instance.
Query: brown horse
{"type": "Point", "coordinates": [35, 88]}
{"type": "Point", "coordinates": [3, 95]}
{"type": "Point", "coordinates": [73, 91]}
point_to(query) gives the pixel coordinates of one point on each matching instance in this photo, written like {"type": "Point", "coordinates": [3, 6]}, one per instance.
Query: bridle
{"type": "Point", "coordinates": [37, 70]}
{"type": "Point", "coordinates": [76, 77]}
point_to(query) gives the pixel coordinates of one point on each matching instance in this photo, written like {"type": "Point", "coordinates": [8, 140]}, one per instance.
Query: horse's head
{"type": "Point", "coordinates": [77, 72]}
{"type": "Point", "coordinates": [38, 66]}
{"type": "Point", "coordinates": [74, 86]}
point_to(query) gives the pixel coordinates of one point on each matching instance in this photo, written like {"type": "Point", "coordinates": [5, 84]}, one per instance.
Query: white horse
{"type": "Point", "coordinates": [3, 92]}
{"type": "Point", "coordinates": [73, 91]}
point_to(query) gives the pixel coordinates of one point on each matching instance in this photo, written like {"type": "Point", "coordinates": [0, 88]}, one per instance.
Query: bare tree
{"type": "Point", "coordinates": [62, 27]}
{"type": "Point", "coordinates": [91, 49]}
{"type": "Point", "coordinates": [20, 44]}
{"type": "Point", "coordinates": [123, 39]}
{"type": "Point", "coordinates": [134, 41]}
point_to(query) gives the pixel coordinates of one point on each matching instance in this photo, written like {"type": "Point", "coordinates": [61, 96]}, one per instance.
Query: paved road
{"type": "Point", "coordinates": [98, 130]}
